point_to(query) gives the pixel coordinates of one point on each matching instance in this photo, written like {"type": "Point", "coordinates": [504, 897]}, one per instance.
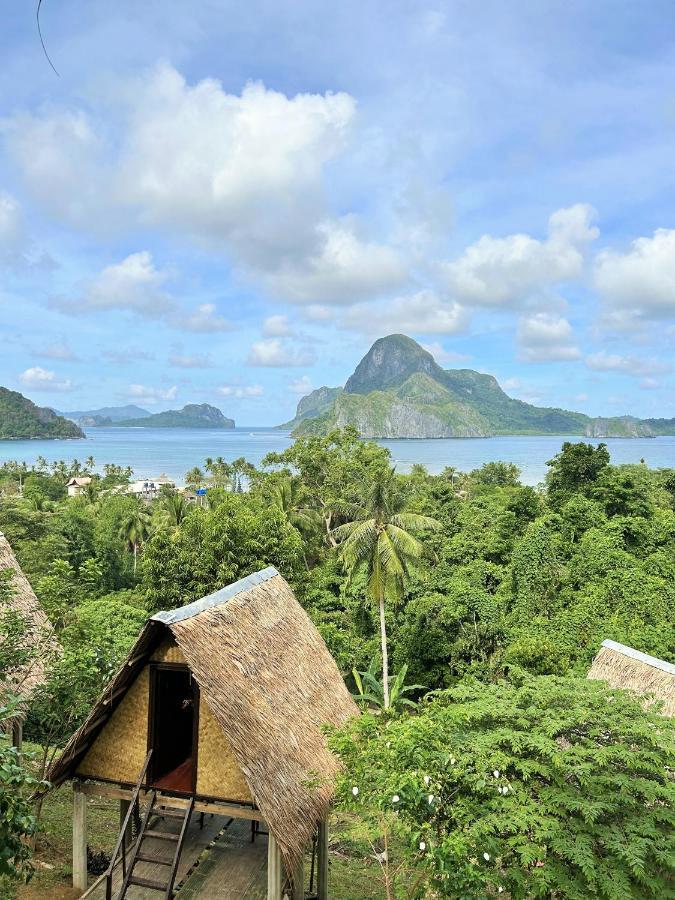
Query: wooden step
{"type": "Point", "coordinates": [145, 857]}
{"type": "Point", "coordinates": [171, 813]}
{"type": "Point", "coordinates": [148, 883]}
{"type": "Point", "coordinates": [162, 835]}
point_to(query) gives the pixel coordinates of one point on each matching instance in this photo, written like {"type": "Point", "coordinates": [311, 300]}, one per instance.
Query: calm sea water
{"type": "Point", "coordinates": [151, 452]}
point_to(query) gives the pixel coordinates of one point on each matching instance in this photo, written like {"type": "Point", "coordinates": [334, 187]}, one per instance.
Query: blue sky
{"type": "Point", "coordinates": [226, 203]}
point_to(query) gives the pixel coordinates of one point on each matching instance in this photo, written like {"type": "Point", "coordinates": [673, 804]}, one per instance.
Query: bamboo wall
{"type": "Point", "coordinates": [120, 749]}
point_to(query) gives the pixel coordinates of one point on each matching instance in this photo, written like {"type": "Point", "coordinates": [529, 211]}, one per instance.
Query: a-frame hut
{"type": "Point", "coordinates": [623, 667]}
{"type": "Point", "coordinates": [19, 599]}
{"type": "Point", "coordinates": [229, 697]}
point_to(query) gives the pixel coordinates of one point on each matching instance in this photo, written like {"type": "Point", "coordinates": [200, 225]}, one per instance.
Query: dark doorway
{"type": "Point", "coordinates": [173, 727]}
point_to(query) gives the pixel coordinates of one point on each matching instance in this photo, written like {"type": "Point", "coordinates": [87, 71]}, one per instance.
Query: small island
{"type": "Point", "coordinates": [21, 420]}
{"type": "Point", "coordinates": [194, 415]}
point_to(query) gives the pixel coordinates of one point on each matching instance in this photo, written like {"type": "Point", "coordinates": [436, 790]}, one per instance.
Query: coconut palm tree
{"type": "Point", "coordinates": [379, 541]}
{"type": "Point", "coordinates": [135, 529]}
{"type": "Point", "coordinates": [175, 507]}
{"type": "Point", "coordinates": [290, 497]}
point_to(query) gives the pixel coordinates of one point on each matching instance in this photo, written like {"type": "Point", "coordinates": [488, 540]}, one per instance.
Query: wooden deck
{"type": "Point", "coordinates": [218, 862]}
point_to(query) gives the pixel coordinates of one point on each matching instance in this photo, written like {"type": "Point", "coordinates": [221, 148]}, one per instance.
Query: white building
{"type": "Point", "coordinates": [150, 488]}
{"type": "Point", "coordinates": [78, 486]}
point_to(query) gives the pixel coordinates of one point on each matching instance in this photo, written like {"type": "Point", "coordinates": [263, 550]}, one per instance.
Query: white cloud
{"type": "Point", "coordinates": [443, 356]}
{"type": "Point", "coordinates": [132, 285]}
{"type": "Point", "coordinates": [125, 355]}
{"type": "Point", "coordinates": [342, 270]}
{"type": "Point", "coordinates": [190, 361]}
{"type": "Point", "coordinates": [276, 353]}
{"type": "Point", "coordinates": [204, 319]}
{"type": "Point", "coordinates": [641, 282]}
{"type": "Point", "coordinates": [60, 350]}
{"type": "Point", "coordinates": [241, 172]}
{"type": "Point", "coordinates": [522, 390]}
{"type": "Point", "coordinates": [241, 391]}
{"type": "Point", "coordinates": [39, 379]}
{"type": "Point", "coordinates": [12, 235]}
{"type": "Point", "coordinates": [151, 395]}
{"type": "Point", "coordinates": [421, 313]}
{"type": "Point", "coordinates": [276, 326]}
{"type": "Point", "coordinates": [628, 365]}
{"type": "Point", "coordinates": [546, 337]}
{"type": "Point", "coordinates": [505, 272]}
{"type": "Point", "coordinates": [301, 386]}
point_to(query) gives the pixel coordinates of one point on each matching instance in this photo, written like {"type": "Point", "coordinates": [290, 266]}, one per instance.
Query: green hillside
{"type": "Point", "coordinates": [21, 419]}
{"type": "Point", "coordinates": [398, 390]}
{"type": "Point", "coordinates": [194, 415]}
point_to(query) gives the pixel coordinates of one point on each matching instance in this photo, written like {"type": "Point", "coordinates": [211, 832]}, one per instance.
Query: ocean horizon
{"type": "Point", "coordinates": [173, 451]}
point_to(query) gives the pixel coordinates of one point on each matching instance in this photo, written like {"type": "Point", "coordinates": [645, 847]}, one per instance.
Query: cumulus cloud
{"type": "Point", "coordinates": [181, 360]}
{"type": "Point", "coordinates": [205, 318]}
{"type": "Point", "coordinates": [241, 391]}
{"type": "Point", "coordinates": [277, 353]}
{"type": "Point", "coordinates": [639, 283]}
{"type": "Point", "coordinates": [150, 394]}
{"type": "Point", "coordinates": [505, 272]}
{"type": "Point", "coordinates": [60, 350]}
{"type": "Point", "coordinates": [245, 172]}
{"type": "Point", "coordinates": [301, 386]}
{"type": "Point", "coordinates": [546, 337]}
{"type": "Point", "coordinates": [443, 356]}
{"type": "Point", "coordinates": [422, 313]}
{"type": "Point", "coordinates": [132, 285]}
{"type": "Point", "coordinates": [39, 379]}
{"type": "Point", "coordinates": [627, 365]}
{"type": "Point", "coordinates": [276, 326]}
{"type": "Point", "coordinates": [343, 269]}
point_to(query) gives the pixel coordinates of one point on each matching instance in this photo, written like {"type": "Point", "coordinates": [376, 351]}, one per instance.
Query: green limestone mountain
{"type": "Point", "coordinates": [105, 415]}
{"type": "Point", "coordinates": [399, 391]}
{"type": "Point", "coordinates": [21, 419]}
{"type": "Point", "coordinates": [194, 415]}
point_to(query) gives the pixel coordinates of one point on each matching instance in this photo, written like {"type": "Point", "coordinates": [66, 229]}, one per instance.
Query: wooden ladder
{"type": "Point", "coordinates": [156, 807]}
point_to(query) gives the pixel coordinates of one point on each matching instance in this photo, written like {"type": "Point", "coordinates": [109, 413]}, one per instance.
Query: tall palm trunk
{"type": "Point", "coordinates": [135, 556]}
{"type": "Point", "coordinates": [385, 652]}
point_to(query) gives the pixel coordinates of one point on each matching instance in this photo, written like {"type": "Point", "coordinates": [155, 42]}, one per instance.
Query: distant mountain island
{"type": "Point", "coordinates": [399, 391]}
{"type": "Point", "coordinates": [106, 415]}
{"type": "Point", "coordinates": [21, 419]}
{"type": "Point", "coordinates": [194, 415]}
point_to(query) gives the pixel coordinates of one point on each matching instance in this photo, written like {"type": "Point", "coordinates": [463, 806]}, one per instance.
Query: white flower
{"type": "Point", "coordinates": [500, 889]}
{"type": "Point", "coordinates": [496, 773]}
{"type": "Point", "coordinates": [505, 789]}
{"type": "Point", "coordinates": [355, 791]}
{"type": "Point", "coordinates": [431, 798]}
{"type": "Point", "coordinates": [486, 857]}
{"type": "Point", "coordinates": [395, 798]}
{"type": "Point", "coordinates": [388, 744]}
{"type": "Point", "coordinates": [423, 846]}
{"type": "Point", "coordinates": [427, 779]}
{"type": "Point", "coordinates": [452, 760]}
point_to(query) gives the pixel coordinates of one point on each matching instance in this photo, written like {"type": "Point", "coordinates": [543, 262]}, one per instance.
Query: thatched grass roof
{"type": "Point", "coordinates": [271, 684]}
{"type": "Point", "coordinates": [623, 667]}
{"type": "Point", "coordinates": [22, 600]}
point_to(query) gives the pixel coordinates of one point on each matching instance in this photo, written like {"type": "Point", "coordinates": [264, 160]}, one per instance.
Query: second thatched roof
{"type": "Point", "coordinates": [26, 678]}
{"type": "Point", "coordinates": [623, 667]}
{"type": "Point", "coordinates": [272, 685]}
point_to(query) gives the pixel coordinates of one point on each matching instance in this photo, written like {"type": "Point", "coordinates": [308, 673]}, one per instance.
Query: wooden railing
{"type": "Point", "coordinates": [121, 845]}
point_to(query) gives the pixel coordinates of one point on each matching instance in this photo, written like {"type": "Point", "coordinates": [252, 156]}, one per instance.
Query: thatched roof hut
{"type": "Point", "coordinates": [265, 686]}
{"type": "Point", "coordinates": [21, 600]}
{"type": "Point", "coordinates": [623, 667]}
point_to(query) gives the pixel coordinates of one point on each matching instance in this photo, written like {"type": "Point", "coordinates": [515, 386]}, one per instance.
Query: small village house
{"type": "Point", "coordinates": [219, 709]}
{"type": "Point", "coordinates": [78, 486]}
{"type": "Point", "coordinates": [22, 682]}
{"type": "Point", "coordinates": [150, 488]}
{"type": "Point", "coordinates": [623, 667]}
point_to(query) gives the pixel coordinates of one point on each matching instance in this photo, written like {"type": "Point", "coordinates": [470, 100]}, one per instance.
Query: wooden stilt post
{"type": "Point", "coordinates": [322, 861]}
{"type": "Point", "coordinates": [79, 838]}
{"type": "Point", "coordinates": [17, 734]}
{"type": "Point", "coordinates": [274, 869]}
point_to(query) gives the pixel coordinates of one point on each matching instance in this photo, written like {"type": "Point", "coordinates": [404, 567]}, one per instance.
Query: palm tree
{"type": "Point", "coordinates": [175, 507]}
{"type": "Point", "coordinates": [135, 529]}
{"type": "Point", "coordinates": [290, 497]}
{"type": "Point", "coordinates": [379, 542]}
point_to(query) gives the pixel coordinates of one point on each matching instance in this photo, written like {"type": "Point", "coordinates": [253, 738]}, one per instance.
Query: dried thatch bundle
{"type": "Point", "coordinates": [270, 683]}
{"type": "Point", "coordinates": [623, 667]}
{"type": "Point", "coordinates": [25, 679]}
